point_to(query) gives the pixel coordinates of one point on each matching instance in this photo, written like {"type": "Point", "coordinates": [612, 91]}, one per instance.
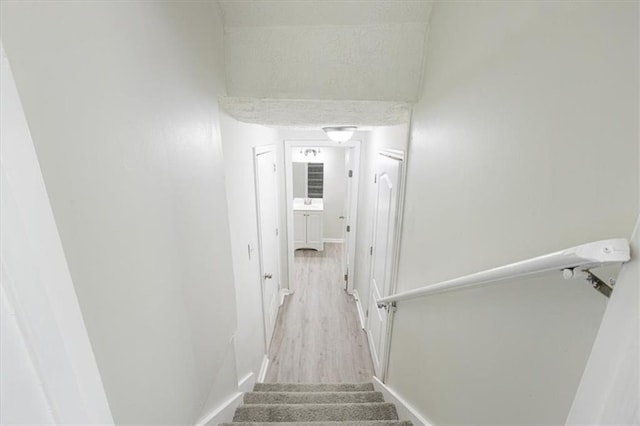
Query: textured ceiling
{"type": "Point", "coordinates": [260, 13]}
{"type": "Point", "coordinates": [373, 62]}
{"type": "Point", "coordinates": [316, 114]}
{"type": "Point", "coordinates": [311, 63]}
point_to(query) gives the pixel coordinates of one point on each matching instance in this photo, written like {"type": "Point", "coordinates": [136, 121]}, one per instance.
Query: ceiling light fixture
{"type": "Point", "coordinates": [340, 134]}
{"type": "Point", "coordinates": [308, 151]}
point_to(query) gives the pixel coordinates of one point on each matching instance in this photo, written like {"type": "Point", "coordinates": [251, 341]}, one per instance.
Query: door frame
{"type": "Point", "coordinates": [353, 208]}
{"type": "Point", "coordinates": [257, 150]}
{"type": "Point", "coordinates": [395, 257]}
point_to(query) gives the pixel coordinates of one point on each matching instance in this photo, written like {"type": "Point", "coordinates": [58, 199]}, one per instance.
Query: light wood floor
{"type": "Point", "coordinates": [318, 338]}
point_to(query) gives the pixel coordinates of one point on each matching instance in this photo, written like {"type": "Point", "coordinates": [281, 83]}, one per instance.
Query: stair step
{"type": "Point", "coordinates": [347, 423]}
{"type": "Point", "coordinates": [315, 412]}
{"type": "Point", "coordinates": [311, 397]}
{"type": "Point", "coordinates": [313, 387]}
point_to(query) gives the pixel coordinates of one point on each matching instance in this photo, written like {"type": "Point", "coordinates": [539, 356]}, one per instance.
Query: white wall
{"type": "Point", "coordinates": [121, 101]}
{"type": "Point", "coordinates": [525, 142]}
{"type": "Point", "coordinates": [388, 137]}
{"type": "Point", "coordinates": [23, 397]}
{"type": "Point", "coordinates": [49, 372]}
{"type": "Point", "coordinates": [238, 141]}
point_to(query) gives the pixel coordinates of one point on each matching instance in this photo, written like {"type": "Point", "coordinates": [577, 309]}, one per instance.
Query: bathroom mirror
{"type": "Point", "coordinates": [308, 180]}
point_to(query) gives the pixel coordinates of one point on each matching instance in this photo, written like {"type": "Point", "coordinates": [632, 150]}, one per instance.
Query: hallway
{"type": "Point", "coordinates": [138, 282]}
{"type": "Point", "coordinates": [318, 338]}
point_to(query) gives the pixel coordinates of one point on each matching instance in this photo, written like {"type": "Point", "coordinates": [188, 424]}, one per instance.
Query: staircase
{"type": "Point", "coordinates": [288, 404]}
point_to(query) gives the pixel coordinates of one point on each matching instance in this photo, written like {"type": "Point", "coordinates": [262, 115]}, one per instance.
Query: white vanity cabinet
{"type": "Point", "coordinates": [307, 224]}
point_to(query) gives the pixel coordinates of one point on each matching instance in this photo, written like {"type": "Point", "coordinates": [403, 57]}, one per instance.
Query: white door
{"type": "Point", "coordinates": [388, 176]}
{"type": "Point", "coordinates": [348, 159]}
{"type": "Point", "coordinates": [266, 190]}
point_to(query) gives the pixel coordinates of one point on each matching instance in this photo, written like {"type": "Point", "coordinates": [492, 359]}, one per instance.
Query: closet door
{"type": "Point", "coordinates": [385, 229]}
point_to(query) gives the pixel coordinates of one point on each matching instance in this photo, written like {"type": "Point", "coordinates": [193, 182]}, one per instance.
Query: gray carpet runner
{"type": "Point", "coordinates": [289, 404]}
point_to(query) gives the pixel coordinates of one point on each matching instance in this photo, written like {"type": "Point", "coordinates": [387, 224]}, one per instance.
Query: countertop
{"type": "Point", "coordinates": [316, 204]}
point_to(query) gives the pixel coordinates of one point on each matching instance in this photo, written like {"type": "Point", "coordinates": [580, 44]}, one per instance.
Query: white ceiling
{"type": "Point", "coordinates": [261, 13]}
{"type": "Point", "coordinates": [316, 114]}
{"type": "Point", "coordinates": [308, 63]}
{"type": "Point", "coordinates": [370, 63]}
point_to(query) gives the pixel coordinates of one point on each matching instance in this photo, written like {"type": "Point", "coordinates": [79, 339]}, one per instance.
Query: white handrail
{"type": "Point", "coordinates": [581, 257]}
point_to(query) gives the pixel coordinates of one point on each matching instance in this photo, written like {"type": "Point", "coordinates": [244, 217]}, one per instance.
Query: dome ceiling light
{"type": "Point", "coordinates": [341, 133]}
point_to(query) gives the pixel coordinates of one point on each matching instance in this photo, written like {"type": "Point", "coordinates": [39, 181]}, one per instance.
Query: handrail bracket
{"type": "Point", "coordinates": [388, 306]}
{"type": "Point", "coordinates": [598, 284]}
{"type": "Point", "coordinates": [595, 281]}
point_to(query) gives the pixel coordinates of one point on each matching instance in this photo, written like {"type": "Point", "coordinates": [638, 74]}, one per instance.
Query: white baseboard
{"type": "Point", "coordinates": [223, 413]}
{"type": "Point", "coordinates": [405, 411]}
{"type": "Point", "coordinates": [247, 382]}
{"type": "Point", "coordinates": [263, 369]}
{"type": "Point", "coordinates": [373, 352]}
{"type": "Point", "coordinates": [356, 296]}
{"type": "Point", "coordinates": [333, 240]}
{"type": "Point", "coordinates": [284, 292]}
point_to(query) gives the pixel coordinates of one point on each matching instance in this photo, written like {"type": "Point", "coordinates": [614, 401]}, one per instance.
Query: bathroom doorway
{"type": "Point", "coordinates": [321, 196]}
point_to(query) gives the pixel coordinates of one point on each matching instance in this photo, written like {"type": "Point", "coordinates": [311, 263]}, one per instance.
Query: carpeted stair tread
{"type": "Point", "coordinates": [315, 412]}
{"type": "Point", "coordinates": [311, 397]}
{"type": "Point", "coordinates": [313, 387]}
{"type": "Point", "coordinates": [347, 423]}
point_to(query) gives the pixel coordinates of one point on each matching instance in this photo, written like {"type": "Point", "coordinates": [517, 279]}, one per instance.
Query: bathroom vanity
{"type": "Point", "coordinates": [307, 223]}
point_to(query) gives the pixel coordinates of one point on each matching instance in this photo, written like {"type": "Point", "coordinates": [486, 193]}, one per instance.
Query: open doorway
{"type": "Point", "coordinates": [319, 337]}
{"type": "Point", "coordinates": [322, 200]}
{"type": "Point", "coordinates": [324, 332]}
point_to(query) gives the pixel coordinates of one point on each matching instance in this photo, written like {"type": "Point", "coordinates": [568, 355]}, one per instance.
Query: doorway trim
{"type": "Point", "coordinates": [353, 208]}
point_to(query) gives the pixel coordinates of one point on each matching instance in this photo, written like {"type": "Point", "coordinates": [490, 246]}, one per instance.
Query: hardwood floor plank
{"type": "Point", "coordinates": [318, 338]}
